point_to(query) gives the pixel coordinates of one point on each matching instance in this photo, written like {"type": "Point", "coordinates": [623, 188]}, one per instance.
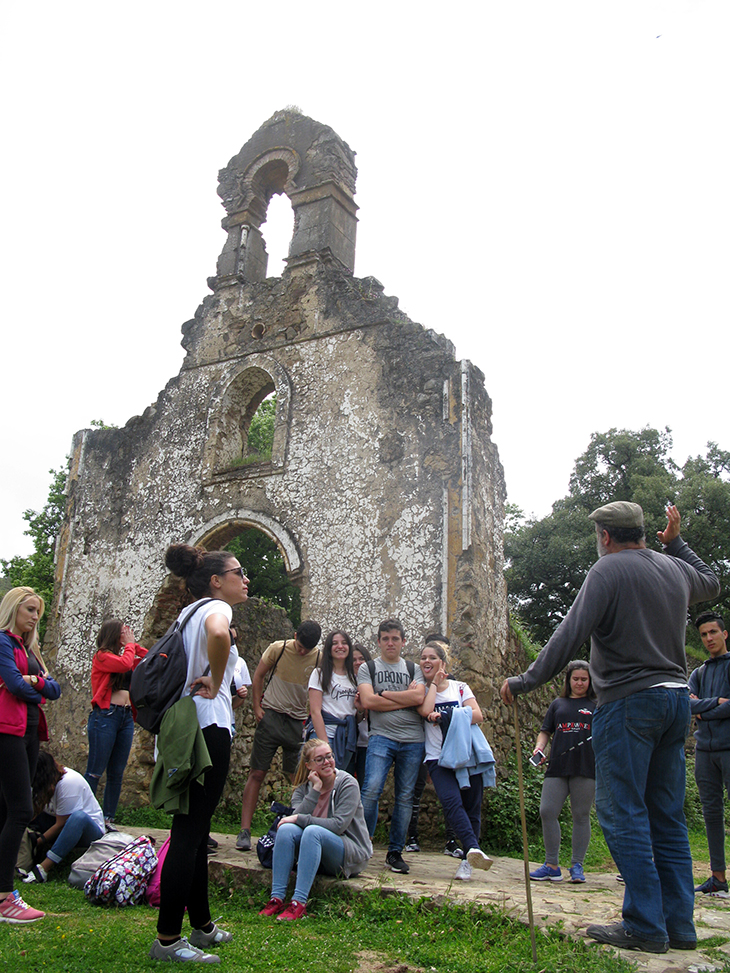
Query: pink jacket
{"type": "Point", "coordinates": [15, 693]}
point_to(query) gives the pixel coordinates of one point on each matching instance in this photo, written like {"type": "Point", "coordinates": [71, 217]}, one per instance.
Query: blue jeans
{"type": "Point", "coordinates": [405, 758]}
{"type": "Point", "coordinates": [315, 849]}
{"type": "Point", "coordinates": [462, 808]}
{"type": "Point", "coordinates": [110, 733]}
{"type": "Point", "coordinates": [79, 829]}
{"type": "Point", "coordinates": [640, 777]}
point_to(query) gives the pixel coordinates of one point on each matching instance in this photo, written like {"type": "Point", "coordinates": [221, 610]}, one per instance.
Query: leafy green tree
{"type": "Point", "coordinates": [704, 501]}
{"type": "Point", "coordinates": [261, 431]}
{"type": "Point", "coordinates": [36, 570]}
{"type": "Point", "coordinates": [625, 465]}
{"type": "Point", "coordinates": [265, 568]}
{"type": "Point", "coordinates": [548, 558]}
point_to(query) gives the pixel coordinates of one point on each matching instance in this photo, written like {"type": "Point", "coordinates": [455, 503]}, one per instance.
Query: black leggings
{"type": "Point", "coordinates": [18, 759]}
{"type": "Point", "coordinates": [184, 879]}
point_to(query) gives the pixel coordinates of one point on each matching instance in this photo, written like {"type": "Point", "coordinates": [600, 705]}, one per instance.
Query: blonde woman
{"type": "Point", "coordinates": [326, 832]}
{"type": "Point", "coordinates": [25, 686]}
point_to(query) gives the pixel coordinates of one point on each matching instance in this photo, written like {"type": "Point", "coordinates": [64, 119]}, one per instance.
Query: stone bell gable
{"type": "Point", "coordinates": [308, 162]}
{"type": "Point", "coordinates": [384, 491]}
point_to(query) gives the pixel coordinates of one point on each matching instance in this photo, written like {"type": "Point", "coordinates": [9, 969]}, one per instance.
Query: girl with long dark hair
{"type": "Point", "coordinates": [571, 770]}
{"type": "Point", "coordinates": [110, 728]}
{"type": "Point", "coordinates": [78, 819]}
{"type": "Point", "coordinates": [332, 692]}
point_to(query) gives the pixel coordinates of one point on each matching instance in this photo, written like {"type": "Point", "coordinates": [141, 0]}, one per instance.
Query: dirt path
{"type": "Point", "coordinates": [432, 875]}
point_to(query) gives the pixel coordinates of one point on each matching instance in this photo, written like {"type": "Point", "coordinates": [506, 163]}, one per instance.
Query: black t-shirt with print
{"type": "Point", "coordinates": [569, 721]}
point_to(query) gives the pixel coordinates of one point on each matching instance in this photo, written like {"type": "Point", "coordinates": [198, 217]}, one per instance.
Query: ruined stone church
{"type": "Point", "coordinates": [383, 491]}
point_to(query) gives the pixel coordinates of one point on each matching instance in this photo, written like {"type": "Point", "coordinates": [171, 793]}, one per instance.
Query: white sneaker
{"type": "Point", "coordinates": [181, 952]}
{"type": "Point", "coordinates": [463, 872]}
{"type": "Point", "coordinates": [477, 859]}
{"type": "Point", "coordinates": [36, 874]}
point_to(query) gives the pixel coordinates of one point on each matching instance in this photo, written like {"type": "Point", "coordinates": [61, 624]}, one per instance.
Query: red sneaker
{"type": "Point", "coordinates": [272, 907]}
{"type": "Point", "coordinates": [13, 909]}
{"type": "Point", "coordinates": [295, 910]}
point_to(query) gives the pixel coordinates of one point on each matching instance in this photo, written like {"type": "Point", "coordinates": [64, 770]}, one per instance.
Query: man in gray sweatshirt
{"type": "Point", "coordinates": [633, 606]}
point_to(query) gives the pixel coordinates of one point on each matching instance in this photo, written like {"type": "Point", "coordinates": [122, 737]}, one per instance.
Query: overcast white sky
{"type": "Point", "coordinates": [544, 182]}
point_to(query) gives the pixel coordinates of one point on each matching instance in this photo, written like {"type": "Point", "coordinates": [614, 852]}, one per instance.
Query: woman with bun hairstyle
{"type": "Point", "coordinates": [24, 686]}
{"type": "Point", "coordinates": [326, 832]}
{"type": "Point", "coordinates": [571, 770]}
{"type": "Point", "coordinates": [208, 643]}
{"type": "Point", "coordinates": [111, 724]}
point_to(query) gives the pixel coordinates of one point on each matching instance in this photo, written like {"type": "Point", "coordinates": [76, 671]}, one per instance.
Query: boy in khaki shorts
{"type": "Point", "coordinates": [280, 713]}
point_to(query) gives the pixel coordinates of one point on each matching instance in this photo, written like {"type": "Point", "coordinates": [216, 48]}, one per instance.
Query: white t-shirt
{"type": "Point", "coordinates": [218, 711]}
{"type": "Point", "coordinates": [339, 701]}
{"type": "Point", "coordinates": [455, 694]}
{"type": "Point", "coordinates": [241, 675]}
{"type": "Point", "coordinates": [72, 793]}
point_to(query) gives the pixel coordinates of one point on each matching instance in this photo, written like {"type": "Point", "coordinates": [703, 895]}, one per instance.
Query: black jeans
{"type": "Point", "coordinates": [184, 879]}
{"type": "Point", "coordinates": [18, 759]}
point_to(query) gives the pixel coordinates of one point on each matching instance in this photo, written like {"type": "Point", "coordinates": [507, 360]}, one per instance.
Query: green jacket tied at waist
{"type": "Point", "coordinates": [182, 758]}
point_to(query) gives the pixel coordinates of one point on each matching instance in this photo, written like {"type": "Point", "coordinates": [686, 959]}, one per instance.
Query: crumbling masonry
{"type": "Point", "coordinates": [384, 491]}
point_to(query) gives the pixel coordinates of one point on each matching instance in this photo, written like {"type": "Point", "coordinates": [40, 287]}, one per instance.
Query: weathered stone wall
{"type": "Point", "coordinates": [384, 490]}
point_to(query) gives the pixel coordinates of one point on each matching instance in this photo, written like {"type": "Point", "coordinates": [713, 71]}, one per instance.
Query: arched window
{"type": "Point", "coordinates": [248, 421]}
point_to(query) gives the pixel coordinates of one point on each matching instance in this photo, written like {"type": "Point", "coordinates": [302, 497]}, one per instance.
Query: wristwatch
{"type": "Point", "coordinates": [34, 680]}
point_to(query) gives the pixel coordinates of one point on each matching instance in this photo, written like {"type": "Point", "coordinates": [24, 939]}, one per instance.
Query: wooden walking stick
{"type": "Point", "coordinates": [525, 850]}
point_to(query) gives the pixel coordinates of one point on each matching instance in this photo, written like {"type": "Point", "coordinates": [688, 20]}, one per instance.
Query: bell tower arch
{"type": "Point", "coordinates": [315, 169]}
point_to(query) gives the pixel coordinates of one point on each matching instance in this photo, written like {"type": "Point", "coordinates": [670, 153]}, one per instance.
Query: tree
{"type": "Point", "coordinates": [266, 571]}
{"type": "Point", "coordinates": [704, 502]}
{"type": "Point", "coordinates": [625, 465]}
{"type": "Point", "coordinates": [261, 431]}
{"type": "Point", "coordinates": [36, 570]}
{"type": "Point", "coordinates": [549, 558]}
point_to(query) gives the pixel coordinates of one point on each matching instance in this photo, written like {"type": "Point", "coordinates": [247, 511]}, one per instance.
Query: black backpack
{"type": "Point", "coordinates": [159, 679]}
{"type": "Point", "coordinates": [410, 666]}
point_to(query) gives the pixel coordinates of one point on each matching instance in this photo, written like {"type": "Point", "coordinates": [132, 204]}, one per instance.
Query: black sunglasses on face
{"type": "Point", "coordinates": [238, 571]}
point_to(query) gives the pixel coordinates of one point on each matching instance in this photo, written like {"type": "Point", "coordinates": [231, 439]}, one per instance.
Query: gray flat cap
{"type": "Point", "coordinates": [620, 513]}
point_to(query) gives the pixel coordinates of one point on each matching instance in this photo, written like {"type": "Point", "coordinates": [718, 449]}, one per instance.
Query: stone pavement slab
{"type": "Point", "coordinates": [571, 907]}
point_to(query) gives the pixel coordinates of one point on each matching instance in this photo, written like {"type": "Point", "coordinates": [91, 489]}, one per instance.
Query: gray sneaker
{"type": "Point", "coordinates": [243, 841]}
{"type": "Point", "coordinates": [212, 938]}
{"type": "Point", "coordinates": [181, 952]}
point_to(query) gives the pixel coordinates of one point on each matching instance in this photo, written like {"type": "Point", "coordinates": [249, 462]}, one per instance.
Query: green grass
{"type": "Point", "coordinates": [250, 460]}
{"type": "Point", "coordinates": [344, 932]}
